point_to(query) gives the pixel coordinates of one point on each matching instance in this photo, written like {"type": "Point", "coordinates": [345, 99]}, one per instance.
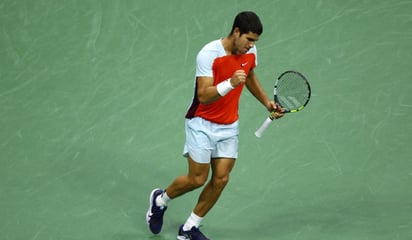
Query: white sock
{"type": "Point", "coordinates": [162, 200]}
{"type": "Point", "coordinates": [192, 221]}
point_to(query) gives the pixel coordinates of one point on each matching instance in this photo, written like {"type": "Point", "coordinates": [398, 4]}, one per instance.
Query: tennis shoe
{"type": "Point", "coordinates": [154, 215]}
{"type": "Point", "coordinates": [192, 234]}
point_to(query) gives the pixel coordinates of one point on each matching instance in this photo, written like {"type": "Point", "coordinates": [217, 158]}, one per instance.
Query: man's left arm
{"type": "Point", "coordinates": [253, 85]}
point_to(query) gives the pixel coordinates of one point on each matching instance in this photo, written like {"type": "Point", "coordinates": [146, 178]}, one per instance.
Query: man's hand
{"type": "Point", "coordinates": [276, 110]}
{"type": "Point", "coordinates": [238, 78]}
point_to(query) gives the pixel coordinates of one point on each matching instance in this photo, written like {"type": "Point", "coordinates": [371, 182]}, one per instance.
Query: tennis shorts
{"type": "Point", "coordinates": [206, 140]}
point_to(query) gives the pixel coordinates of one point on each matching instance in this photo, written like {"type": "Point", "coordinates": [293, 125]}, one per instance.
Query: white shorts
{"type": "Point", "coordinates": [206, 140]}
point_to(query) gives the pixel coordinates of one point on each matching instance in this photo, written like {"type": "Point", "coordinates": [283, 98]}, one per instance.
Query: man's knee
{"type": "Point", "coordinates": [198, 181]}
{"type": "Point", "coordinates": [220, 182]}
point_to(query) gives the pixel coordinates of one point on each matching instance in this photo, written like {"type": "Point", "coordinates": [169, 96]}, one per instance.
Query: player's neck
{"type": "Point", "coordinates": [229, 45]}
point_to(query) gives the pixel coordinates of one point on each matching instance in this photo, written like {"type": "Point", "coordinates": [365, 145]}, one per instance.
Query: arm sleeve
{"type": "Point", "coordinates": [204, 63]}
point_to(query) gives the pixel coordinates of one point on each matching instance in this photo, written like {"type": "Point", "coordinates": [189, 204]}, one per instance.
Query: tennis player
{"type": "Point", "coordinates": [223, 68]}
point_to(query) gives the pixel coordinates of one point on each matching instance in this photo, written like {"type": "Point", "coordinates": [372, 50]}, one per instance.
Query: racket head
{"type": "Point", "coordinates": [292, 91]}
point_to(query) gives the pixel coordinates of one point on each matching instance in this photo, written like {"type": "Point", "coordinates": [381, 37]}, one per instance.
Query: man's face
{"type": "Point", "coordinates": [245, 42]}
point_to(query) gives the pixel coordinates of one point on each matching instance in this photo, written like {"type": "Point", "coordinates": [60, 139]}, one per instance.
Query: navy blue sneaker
{"type": "Point", "coordinates": [192, 234]}
{"type": "Point", "coordinates": [154, 215]}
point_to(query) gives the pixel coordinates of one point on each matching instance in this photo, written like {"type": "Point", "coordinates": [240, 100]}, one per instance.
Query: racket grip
{"type": "Point", "coordinates": [263, 127]}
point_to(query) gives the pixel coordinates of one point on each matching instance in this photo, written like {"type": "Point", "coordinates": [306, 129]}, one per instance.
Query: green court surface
{"type": "Point", "coordinates": [92, 102]}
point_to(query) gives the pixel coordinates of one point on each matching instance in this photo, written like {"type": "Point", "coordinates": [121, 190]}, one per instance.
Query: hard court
{"type": "Point", "coordinates": [92, 102]}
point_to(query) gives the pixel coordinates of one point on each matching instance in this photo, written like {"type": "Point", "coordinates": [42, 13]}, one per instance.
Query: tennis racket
{"type": "Point", "coordinates": [291, 92]}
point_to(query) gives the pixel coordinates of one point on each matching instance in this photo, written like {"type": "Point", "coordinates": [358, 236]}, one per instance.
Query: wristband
{"type": "Point", "coordinates": [224, 87]}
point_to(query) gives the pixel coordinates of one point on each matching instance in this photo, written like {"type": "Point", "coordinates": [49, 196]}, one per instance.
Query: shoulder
{"type": "Point", "coordinates": [207, 56]}
{"type": "Point", "coordinates": [212, 46]}
{"type": "Point", "coordinates": [253, 51]}
{"type": "Point", "coordinates": [212, 50]}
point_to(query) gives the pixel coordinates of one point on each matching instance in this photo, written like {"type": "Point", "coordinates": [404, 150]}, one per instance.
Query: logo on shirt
{"type": "Point", "coordinates": [244, 64]}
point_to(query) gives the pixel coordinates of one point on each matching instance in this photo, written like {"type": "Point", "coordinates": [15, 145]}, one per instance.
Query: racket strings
{"type": "Point", "coordinates": [292, 91]}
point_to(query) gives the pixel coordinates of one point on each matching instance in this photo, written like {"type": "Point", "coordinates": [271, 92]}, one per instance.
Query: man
{"type": "Point", "coordinates": [223, 68]}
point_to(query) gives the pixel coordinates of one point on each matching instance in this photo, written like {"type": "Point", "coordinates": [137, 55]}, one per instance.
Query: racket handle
{"type": "Point", "coordinates": [262, 128]}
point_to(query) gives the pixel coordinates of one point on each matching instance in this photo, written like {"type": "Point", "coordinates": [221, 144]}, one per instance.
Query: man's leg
{"type": "Point", "coordinates": [221, 168]}
{"type": "Point", "coordinates": [196, 177]}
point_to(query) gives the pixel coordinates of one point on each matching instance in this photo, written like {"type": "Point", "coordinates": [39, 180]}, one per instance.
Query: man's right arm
{"type": "Point", "coordinates": [206, 92]}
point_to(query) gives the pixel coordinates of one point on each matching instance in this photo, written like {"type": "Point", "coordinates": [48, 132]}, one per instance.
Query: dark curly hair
{"type": "Point", "coordinates": [247, 22]}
